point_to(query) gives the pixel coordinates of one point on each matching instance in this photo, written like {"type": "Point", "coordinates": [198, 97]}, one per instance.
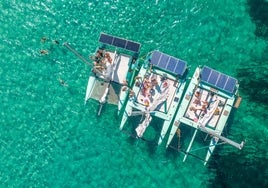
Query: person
{"type": "Point", "coordinates": [197, 99]}
{"type": "Point", "coordinates": [203, 107]}
{"type": "Point", "coordinates": [98, 57]}
{"type": "Point", "coordinates": [131, 93]}
{"type": "Point", "coordinates": [43, 39]}
{"type": "Point", "coordinates": [146, 102]}
{"type": "Point", "coordinates": [56, 41]}
{"type": "Point", "coordinates": [108, 57]}
{"type": "Point", "coordinates": [146, 86]}
{"type": "Point", "coordinates": [43, 52]}
{"type": "Point", "coordinates": [154, 81]}
{"type": "Point", "coordinates": [62, 82]}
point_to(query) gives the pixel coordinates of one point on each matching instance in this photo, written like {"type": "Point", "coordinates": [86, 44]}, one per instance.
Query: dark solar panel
{"type": "Point", "coordinates": [213, 78]}
{"type": "Point", "coordinates": [156, 57]}
{"type": "Point", "coordinates": [181, 67]}
{"type": "Point", "coordinates": [107, 39]}
{"type": "Point", "coordinates": [133, 46]}
{"type": "Point", "coordinates": [218, 80]}
{"type": "Point", "coordinates": [205, 73]}
{"type": "Point", "coordinates": [164, 61]}
{"type": "Point", "coordinates": [222, 81]}
{"type": "Point", "coordinates": [119, 42]}
{"type": "Point", "coordinates": [172, 63]}
{"type": "Point", "coordinates": [168, 63]}
{"type": "Point", "coordinates": [230, 84]}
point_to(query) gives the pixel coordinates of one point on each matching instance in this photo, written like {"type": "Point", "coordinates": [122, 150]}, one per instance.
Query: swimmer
{"type": "Point", "coordinates": [44, 52]}
{"type": "Point", "coordinates": [62, 82]}
{"type": "Point", "coordinates": [44, 39]}
{"type": "Point", "coordinates": [56, 42]}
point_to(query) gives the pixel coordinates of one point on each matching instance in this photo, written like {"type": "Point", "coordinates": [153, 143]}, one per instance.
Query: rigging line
{"type": "Point", "coordinates": [139, 138]}
{"type": "Point", "coordinates": [208, 146]}
{"type": "Point", "coordinates": [188, 153]}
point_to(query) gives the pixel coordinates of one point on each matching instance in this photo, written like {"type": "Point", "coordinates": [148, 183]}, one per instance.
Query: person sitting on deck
{"type": "Point", "coordinates": [146, 86]}
{"type": "Point", "coordinates": [108, 57]}
{"type": "Point", "coordinates": [203, 107]}
{"type": "Point", "coordinates": [197, 99]}
{"type": "Point", "coordinates": [98, 58]}
{"type": "Point", "coordinates": [154, 81]}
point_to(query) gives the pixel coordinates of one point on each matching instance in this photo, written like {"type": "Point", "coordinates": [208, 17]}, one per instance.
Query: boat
{"type": "Point", "coordinates": [157, 92]}
{"type": "Point", "coordinates": [113, 68]}
{"type": "Point", "coordinates": [205, 109]}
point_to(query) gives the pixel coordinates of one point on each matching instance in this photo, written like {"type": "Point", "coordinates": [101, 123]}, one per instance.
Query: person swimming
{"type": "Point", "coordinates": [44, 52]}
{"type": "Point", "coordinates": [62, 82]}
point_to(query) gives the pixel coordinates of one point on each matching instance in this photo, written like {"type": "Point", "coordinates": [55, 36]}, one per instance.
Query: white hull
{"type": "Point", "coordinates": [212, 146]}
{"type": "Point", "coordinates": [172, 112]}
{"type": "Point", "coordinates": [126, 114]}
{"type": "Point", "coordinates": [122, 98]}
{"type": "Point", "coordinates": [206, 107]}
{"type": "Point", "coordinates": [90, 86]}
{"type": "Point", "coordinates": [172, 132]}
{"type": "Point", "coordinates": [183, 107]}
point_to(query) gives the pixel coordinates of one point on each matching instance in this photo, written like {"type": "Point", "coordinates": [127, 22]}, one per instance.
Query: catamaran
{"type": "Point", "coordinates": [114, 66]}
{"type": "Point", "coordinates": [157, 91]}
{"type": "Point", "coordinates": [207, 104]}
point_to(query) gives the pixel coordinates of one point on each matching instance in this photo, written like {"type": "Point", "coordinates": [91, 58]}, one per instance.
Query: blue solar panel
{"type": "Point", "coordinates": [172, 63]}
{"type": "Point", "coordinates": [168, 63]}
{"type": "Point", "coordinates": [213, 78]}
{"type": "Point", "coordinates": [230, 84]}
{"type": "Point", "coordinates": [222, 81]}
{"type": "Point", "coordinates": [133, 46]}
{"type": "Point", "coordinates": [205, 73]}
{"type": "Point", "coordinates": [163, 61]}
{"type": "Point", "coordinates": [119, 42]}
{"type": "Point", "coordinates": [218, 80]}
{"type": "Point", "coordinates": [181, 67]}
{"type": "Point", "coordinates": [156, 57]}
{"type": "Point", "coordinates": [107, 39]}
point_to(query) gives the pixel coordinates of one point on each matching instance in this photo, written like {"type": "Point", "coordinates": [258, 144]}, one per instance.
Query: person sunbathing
{"type": "Point", "coordinates": [108, 57]}
{"type": "Point", "coordinates": [203, 107]}
{"type": "Point", "coordinates": [197, 99]}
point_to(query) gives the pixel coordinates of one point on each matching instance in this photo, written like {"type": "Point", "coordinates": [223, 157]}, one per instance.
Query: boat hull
{"type": "Point", "coordinates": [206, 107]}
{"type": "Point", "coordinates": [126, 114]}
{"type": "Point", "coordinates": [90, 86]}
{"type": "Point", "coordinates": [172, 112]}
{"type": "Point", "coordinates": [122, 97]}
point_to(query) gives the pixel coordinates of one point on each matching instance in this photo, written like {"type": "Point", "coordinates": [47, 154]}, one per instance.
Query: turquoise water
{"type": "Point", "coordinates": [49, 138]}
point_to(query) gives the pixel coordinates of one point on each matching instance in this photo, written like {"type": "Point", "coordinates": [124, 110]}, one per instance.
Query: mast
{"type": "Point", "coordinates": [237, 145]}
{"type": "Point", "coordinates": [76, 53]}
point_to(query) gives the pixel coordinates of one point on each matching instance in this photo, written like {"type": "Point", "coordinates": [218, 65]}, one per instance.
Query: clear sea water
{"type": "Point", "coordinates": [49, 138]}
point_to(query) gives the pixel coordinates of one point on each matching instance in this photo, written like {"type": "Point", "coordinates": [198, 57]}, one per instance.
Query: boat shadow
{"type": "Point", "coordinates": [150, 137]}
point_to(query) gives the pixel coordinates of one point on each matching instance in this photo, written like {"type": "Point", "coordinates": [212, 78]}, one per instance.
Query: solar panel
{"type": "Point", "coordinates": [120, 42]}
{"type": "Point", "coordinates": [218, 80]}
{"type": "Point", "coordinates": [168, 63]}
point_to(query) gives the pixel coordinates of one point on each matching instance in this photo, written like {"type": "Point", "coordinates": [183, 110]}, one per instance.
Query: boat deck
{"type": "Point", "coordinates": [196, 110]}
{"type": "Point", "coordinates": [117, 70]}
{"type": "Point", "coordinates": [99, 89]}
{"type": "Point", "coordinates": [151, 87]}
{"type": "Point", "coordinates": [121, 69]}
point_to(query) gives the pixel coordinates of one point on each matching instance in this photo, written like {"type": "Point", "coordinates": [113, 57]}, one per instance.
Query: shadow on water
{"type": "Point", "coordinates": [150, 136]}
{"type": "Point", "coordinates": [245, 173]}
{"type": "Point", "coordinates": [258, 10]}
{"type": "Point", "coordinates": [254, 82]}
